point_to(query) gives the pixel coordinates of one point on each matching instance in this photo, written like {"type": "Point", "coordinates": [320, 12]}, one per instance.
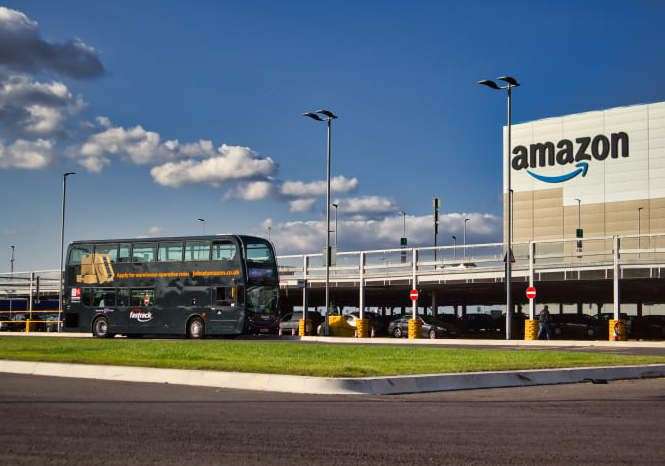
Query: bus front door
{"type": "Point", "coordinates": [226, 314]}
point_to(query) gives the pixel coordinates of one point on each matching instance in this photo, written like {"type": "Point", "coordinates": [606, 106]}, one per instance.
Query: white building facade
{"type": "Point", "coordinates": [601, 171]}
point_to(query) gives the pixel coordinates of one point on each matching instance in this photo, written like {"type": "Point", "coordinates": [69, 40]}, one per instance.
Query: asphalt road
{"type": "Point", "coordinates": [68, 421]}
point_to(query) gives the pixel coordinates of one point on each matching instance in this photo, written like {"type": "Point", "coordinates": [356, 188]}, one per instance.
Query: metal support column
{"type": "Point", "coordinates": [434, 304]}
{"type": "Point", "coordinates": [32, 281]}
{"type": "Point", "coordinates": [361, 286]}
{"type": "Point", "coordinates": [305, 264]}
{"type": "Point", "coordinates": [532, 302]}
{"type": "Point", "coordinates": [414, 280]}
{"type": "Point", "coordinates": [615, 278]}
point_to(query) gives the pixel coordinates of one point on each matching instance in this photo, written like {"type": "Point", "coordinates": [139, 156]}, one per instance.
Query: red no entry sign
{"type": "Point", "coordinates": [531, 292]}
{"type": "Point", "coordinates": [413, 294]}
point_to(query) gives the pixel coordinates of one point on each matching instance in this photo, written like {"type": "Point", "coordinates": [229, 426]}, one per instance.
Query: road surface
{"type": "Point", "coordinates": [57, 421]}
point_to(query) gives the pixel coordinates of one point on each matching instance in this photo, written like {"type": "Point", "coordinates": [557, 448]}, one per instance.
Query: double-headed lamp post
{"type": "Point", "coordinates": [62, 245]}
{"type": "Point", "coordinates": [403, 223]}
{"type": "Point", "coordinates": [203, 224]}
{"type": "Point", "coordinates": [336, 206]}
{"type": "Point", "coordinates": [510, 84]}
{"type": "Point", "coordinates": [326, 116]}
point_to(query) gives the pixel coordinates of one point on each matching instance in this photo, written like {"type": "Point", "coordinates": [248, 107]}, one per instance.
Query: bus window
{"type": "Point", "coordinates": [142, 297]}
{"type": "Point", "coordinates": [143, 252]}
{"type": "Point", "coordinates": [223, 296]}
{"type": "Point", "coordinates": [223, 251]}
{"type": "Point", "coordinates": [197, 251]}
{"type": "Point", "coordinates": [110, 250]}
{"type": "Point", "coordinates": [123, 297]}
{"type": "Point", "coordinates": [169, 252]}
{"type": "Point", "coordinates": [123, 252]}
{"type": "Point", "coordinates": [103, 297]}
{"type": "Point", "coordinates": [86, 296]}
{"type": "Point", "coordinates": [229, 295]}
{"type": "Point", "coordinates": [259, 252]}
{"type": "Point", "coordinates": [77, 252]}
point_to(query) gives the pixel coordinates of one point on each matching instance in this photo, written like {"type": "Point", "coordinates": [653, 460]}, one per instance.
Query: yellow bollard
{"type": "Point", "coordinates": [363, 328]}
{"type": "Point", "coordinates": [530, 329]}
{"type": "Point", "coordinates": [414, 329]}
{"type": "Point", "coordinates": [27, 326]}
{"type": "Point", "coordinates": [617, 330]}
{"type": "Point", "coordinates": [338, 327]}
{"type": "Point", "coordinates": [301, 327]}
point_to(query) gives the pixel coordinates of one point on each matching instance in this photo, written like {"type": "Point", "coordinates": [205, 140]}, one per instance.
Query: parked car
{"type": "Point", "coordinates": [576, 326]}
{"type": "Point", "coordinates": [378, 324]}
{"type": "Point", "coordinates": [430, 327]}
{"type": "Point", "coordinates": [480, 324]}
{"type": "Point", "coordinates": [289, 323]}
{"type": "Point", "coordinates": [647, 327]}
{"type": "Point", "coordinates": [517, 324]}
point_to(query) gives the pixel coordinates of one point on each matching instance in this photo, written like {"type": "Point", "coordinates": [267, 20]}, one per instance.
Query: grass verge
{"type": "Point", "coordinates": [315, 359]}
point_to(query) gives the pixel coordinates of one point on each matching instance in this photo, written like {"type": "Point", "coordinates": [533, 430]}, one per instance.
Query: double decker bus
{"type": "Point", "coordinates": [193, 286]}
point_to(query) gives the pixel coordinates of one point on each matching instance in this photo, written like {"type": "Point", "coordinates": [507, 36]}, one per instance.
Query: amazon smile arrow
{"type": "Point", "coordinates": [581, 168]}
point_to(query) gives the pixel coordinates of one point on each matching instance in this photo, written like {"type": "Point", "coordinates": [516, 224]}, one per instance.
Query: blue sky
{"type": "Point", "coordinates": [400, 74]}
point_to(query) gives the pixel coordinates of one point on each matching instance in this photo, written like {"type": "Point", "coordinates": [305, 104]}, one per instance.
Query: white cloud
{"type": "Point", "coordinates": [33, 108]}
{"type": "Point", "coordinates": [366, 205]}
{"type": "Point", "coordinates": [252, 191]}
{"type": "Point", "coordinates": [301, 189]}
{"type": "Point", "coordinates": [104, 122]}
{"type": "Point", "coordinates": [231, 163]}
{"type": "Point", "coordinates": [137, 145]}
{"type": "Point", "coordinates": [309, 236]}
{"type": "Point", "coordinates": [27, 155]}
{"type": "Point", "coordinates": [154, 231]}
{"type": "Point", "coordinates": [302, 205]}
{"type": "Point", "coordinates": [22, 48]}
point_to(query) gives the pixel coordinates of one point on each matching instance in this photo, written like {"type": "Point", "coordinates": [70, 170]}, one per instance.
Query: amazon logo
{"type": "Point", "coordinates": [566, 152]}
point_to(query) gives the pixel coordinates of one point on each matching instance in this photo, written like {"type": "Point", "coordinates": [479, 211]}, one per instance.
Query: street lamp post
{"type": "Point", "coordinates": [639, 227]}
{"type": "Point", "coordinates": [466, 220]}
{"type": "Point", "coordinates": [579, 213]}
{"type": "Point", "coordinates": [327, 116]}
{"type": "Point", "coordinates": [203, 224]}
{"type": "Point", "coordinates": [510, 84]}
{"type": "Point", "coordinates": [62, 244]}
{"type": "Point", "coordinates": [403, 223]}
{"type": "Point", "coordinates": [269, 229]}
{"type": "Point", "coordinates": [454, 247]}
{"type": "Point", "coordinates": [336, 206]}
{"type": "Point", "coordinates": [11, 274]}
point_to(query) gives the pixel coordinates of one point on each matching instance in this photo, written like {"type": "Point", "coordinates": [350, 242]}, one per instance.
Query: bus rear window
{"type": "Point", "coordinates": [259, 252]}
{"type": "Point", "coordinates": [77, 252]}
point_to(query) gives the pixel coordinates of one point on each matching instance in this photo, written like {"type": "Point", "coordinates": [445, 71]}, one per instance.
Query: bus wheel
{"type": "Point", "coordinates": [100, 328]}
{"type": "Point", "coordinates": [195, 328]}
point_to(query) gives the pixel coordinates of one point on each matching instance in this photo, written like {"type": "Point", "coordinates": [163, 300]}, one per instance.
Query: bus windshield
{"type": "Point", "coordinates": [260, 253]}
{"type": "Point", "coordinates": [262, 299]}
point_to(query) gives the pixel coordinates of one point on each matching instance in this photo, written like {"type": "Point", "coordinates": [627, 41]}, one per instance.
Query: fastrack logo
{"type": "Point", "coordinates": [141, 316]}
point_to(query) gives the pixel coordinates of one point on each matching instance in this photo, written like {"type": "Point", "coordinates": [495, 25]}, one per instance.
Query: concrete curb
{"type": "Point", "coordinates": [420, 341]}
{"type": "Point", "coordinates": [47, 334]}
{"type": "Point", "coordinates": [390, 385]}
{"type": "Point", "coordinates": [487, 342]}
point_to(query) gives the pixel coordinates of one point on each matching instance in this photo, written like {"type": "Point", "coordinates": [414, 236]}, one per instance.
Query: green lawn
{"type": "Point", "coordinates": [318, 359]}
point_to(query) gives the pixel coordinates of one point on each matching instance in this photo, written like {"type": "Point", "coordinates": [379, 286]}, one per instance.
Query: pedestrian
{"type": "Point", "coordinates": [544, 323]}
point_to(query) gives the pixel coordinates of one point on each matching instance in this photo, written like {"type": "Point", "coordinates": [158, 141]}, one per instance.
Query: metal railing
{"type": "Point", "coordinates": [568, 253]}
